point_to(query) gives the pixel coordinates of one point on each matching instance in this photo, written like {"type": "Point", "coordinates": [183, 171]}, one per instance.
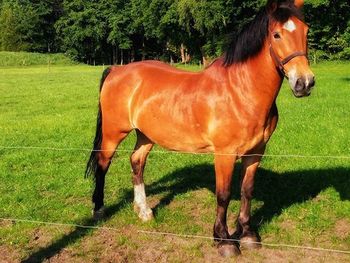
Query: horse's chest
{"type": "Point", "coordinates": [247, 132]}
{"type": "Point", "coordinates": [259, 134]}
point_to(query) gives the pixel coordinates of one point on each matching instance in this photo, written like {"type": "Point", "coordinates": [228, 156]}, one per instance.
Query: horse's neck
{"type": "Point", "coordinates": [258, 78]}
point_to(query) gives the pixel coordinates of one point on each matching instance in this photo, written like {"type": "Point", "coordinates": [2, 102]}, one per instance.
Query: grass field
{"type": "Point", "coordinates": [298, 201]}
{"type": "Point", "coordinates": [10, 59]}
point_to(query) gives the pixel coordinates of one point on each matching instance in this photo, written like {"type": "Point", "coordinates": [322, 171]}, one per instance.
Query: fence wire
{"type": "Point", "coordinates": [158, 233]}
{"type": "Point", "coordinates": [48, 148]}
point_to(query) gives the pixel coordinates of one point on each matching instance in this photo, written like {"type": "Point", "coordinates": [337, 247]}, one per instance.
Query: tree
{"type": "Point", "coordinates": [115, 31]}
{"type": "Point", "coordinates": [208, 22]}
{"type": "Point", "coordinates": [49, 12]}
{"type": "Point", "coordinates": [329, 20]}
{"type": "Point", "coordinates": [9, 39]}
{"type": "Point", "coordinates": [28, 25]}
{"type": "Point", "coordinates": [82, 29]}
{"type": "Point", "coordinates": [18, 26]}
{"type": "Point", "coordinates": [119, 28]}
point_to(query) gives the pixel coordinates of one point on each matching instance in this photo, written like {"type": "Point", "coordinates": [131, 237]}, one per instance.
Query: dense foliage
{"type": "Point", "coordinates": [120, 31]}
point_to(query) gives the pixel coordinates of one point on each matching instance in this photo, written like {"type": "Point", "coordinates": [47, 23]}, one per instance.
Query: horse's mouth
{"type": "Point", "coordinates": [301, 94]}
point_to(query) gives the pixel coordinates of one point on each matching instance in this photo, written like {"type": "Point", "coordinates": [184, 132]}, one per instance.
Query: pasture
{"type": "Point", "coordinates": [9, 59]}
{"type": "Point", "coordinates": [297, 200]}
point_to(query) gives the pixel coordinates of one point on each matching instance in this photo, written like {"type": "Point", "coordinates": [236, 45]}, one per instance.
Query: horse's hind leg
{"type": "Point", "coordinates": [138, 161]}
{"type": "Point", "coordinates": [108, 145]}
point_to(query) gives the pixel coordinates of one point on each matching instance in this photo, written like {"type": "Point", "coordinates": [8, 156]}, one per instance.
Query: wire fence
{"type": "Point", "coordinates": [49, 148]}
{"type": "Point", "coordinates": [158, 233]}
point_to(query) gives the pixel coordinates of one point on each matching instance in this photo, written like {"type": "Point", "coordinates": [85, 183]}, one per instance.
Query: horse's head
{"type": "Point", "coordinates": [288, 44]}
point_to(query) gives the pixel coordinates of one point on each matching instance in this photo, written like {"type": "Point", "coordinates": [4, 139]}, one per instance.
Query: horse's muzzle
{"type": "Point", "coordinates": [303, 86]}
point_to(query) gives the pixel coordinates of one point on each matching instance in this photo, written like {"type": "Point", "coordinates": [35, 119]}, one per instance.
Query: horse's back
{"type": "Point", "coordinates": [179, 110]}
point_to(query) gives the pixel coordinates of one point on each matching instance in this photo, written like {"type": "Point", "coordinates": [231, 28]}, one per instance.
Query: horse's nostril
{"type": "Point", "coordinates": [300, 84]}
{"type": "Point", "coordinates": [312, 82]}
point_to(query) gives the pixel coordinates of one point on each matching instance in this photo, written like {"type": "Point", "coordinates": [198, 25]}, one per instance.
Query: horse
{"type": "Point", "coordinates": [228, 109]}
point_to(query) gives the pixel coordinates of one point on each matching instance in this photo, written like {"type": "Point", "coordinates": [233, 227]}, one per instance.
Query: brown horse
{"type": "Point", "coordinates": [228, 109]}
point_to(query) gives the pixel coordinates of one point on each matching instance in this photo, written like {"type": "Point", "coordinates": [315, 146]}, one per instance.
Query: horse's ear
{"type": "Point", "coordinates": [271, 6]}
{"type": "Point", "coordinates": [299, 3]}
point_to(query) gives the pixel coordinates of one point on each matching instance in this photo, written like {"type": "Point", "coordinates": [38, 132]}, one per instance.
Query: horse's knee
{"type": "Point", "coordinates": [223, 197]}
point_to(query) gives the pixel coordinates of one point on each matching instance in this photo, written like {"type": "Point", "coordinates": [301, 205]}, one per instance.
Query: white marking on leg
{"type": "Point", "coordinates": [140, 204]}
{"type": "Point", "coordinates": [140, 195]}
{"type": "Point", "coordinates": [290, 26]}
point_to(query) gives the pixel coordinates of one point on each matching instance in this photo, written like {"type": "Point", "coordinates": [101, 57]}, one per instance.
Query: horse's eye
{"type": "Point", "coordinates": [276, 35]}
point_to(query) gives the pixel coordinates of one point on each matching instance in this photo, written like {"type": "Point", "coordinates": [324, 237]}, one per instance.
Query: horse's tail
{"type": "Point", "coordinates": [92, 164]}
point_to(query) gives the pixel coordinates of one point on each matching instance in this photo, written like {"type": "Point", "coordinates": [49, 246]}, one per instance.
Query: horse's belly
{"type": "Point", "coordinates": [174, 136]}
{"type": "Point", "coordinates": [186, 134]}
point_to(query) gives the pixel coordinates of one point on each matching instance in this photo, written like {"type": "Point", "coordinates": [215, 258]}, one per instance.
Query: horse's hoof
{"type": "Point", "coordinates": [250, 242]}
{"type": "Point", "coordinates": [228, 249]}
{"type": "Point", "coordinates": [99, 214]}
{"type": "Point", "coordinates": [145, 214]}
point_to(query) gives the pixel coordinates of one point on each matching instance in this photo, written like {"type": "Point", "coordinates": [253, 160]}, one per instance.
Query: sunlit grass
{"type": "Point", "coordinates": [297, 200]}
{"type": "Point", "coordinates": [23, 59]}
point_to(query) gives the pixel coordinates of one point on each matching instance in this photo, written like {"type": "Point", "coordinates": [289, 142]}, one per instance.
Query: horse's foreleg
{"type": "Point", "coordinates": [138, 161]}
{"type": "Point", "coordinates": [224, 165]}
{"type": "Point", "coordinates": [108, 146]}
{"type": "Point", "coordinates": [248, 237]}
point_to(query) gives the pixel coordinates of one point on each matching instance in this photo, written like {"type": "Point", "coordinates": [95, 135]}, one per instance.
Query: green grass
{"type": "Point", "coordinates": [9, 59]}
{"type": "Point", "coordinates": [301, 201]}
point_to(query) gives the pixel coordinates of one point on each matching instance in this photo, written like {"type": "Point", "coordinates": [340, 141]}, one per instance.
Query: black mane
{"type": "Point", "coordinates": [249, 42]}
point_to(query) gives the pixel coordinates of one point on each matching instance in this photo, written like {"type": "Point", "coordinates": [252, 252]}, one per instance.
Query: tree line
{"type": "Point", "coordinates": [121, 31]}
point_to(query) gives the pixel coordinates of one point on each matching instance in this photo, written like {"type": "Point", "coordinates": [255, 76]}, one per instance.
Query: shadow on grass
{"type": "Point", "coordinates": [346, 79]}
{"type": "Point", "coordinates": [78, 233]}
{"type": "Point", "coordinates": [277, 191]}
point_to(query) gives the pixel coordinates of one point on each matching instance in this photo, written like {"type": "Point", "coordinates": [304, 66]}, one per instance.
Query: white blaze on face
{"type": "Point", "coordinates": [290, 26]}
{"type": "Point", "coordinates": [292, 77]}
